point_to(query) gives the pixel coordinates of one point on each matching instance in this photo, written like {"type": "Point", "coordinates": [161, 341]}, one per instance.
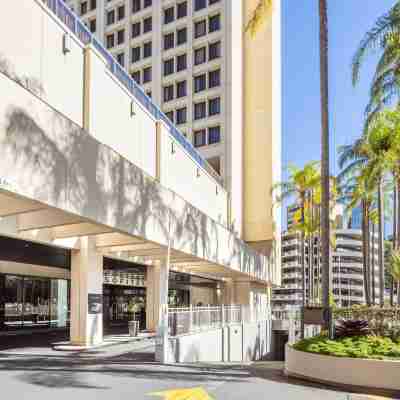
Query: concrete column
{"type": "Point", "coordinates": [86, 294]}
{"type": "Point", "coordinates": [156, 293]}
{"type": "Point", "coordinates": [157, 308]}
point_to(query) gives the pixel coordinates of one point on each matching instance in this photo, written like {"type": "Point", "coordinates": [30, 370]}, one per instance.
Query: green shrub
{"type": "Point", "coordinates": [373, 347]}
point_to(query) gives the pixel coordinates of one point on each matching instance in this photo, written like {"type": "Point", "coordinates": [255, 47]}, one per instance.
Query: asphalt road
{"type": "Point", "coordinates": [128, 371]}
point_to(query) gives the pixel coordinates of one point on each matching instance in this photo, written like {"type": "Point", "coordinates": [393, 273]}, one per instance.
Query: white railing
{"type": "Point", "coordinates": [186, 320]}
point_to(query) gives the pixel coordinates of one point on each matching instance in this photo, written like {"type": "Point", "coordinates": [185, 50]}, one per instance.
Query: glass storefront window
{"type": "Point", "coordinates": [34, 302]}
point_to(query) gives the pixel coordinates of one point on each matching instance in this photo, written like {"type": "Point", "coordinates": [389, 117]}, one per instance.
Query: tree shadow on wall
{"type": "Point", "coordinates": [73, 170]}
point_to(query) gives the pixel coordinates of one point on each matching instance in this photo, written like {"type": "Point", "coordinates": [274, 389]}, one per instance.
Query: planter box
{"type": "Point", "coordinates": [376, 374]}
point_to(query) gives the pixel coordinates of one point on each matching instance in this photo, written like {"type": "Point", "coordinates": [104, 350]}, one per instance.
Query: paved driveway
{"type": "Point", "coordinates": [129, 371]}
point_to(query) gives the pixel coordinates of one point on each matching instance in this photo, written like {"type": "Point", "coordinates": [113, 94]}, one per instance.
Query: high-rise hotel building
{"type": "Point", "coordinates": [217, 83]}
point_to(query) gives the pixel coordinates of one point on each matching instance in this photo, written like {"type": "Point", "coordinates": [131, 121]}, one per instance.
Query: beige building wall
{"type": "Point", "coordinates": [262, 130]}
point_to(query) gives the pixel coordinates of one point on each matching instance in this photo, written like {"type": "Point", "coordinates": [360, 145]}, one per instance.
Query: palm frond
{"type": "Point", "coordinates": [387, 24]}
{"type": "Point", "coordinates": [259, 15]}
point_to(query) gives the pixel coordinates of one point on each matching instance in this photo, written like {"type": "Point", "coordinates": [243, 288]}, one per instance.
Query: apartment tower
{"type": "Point", "coordinates": [217, 83]}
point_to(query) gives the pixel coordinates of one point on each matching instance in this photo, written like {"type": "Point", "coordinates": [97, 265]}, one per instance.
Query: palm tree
{"type": "Point", "coordinates": [384, 36]}
{"type": "Point", "coordinates": [376, 154]}
{"type": "Point", "coordinates": [300, 183]}
{"type": "Point", "coordinates": [395, 271]}
{"type": "Point", "coordinates": [325, 175]}
{"type": "Point", "coordinates": [359, 191]}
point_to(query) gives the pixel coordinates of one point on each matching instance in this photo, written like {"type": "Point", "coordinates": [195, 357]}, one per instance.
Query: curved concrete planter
{"type": "Point", "coordinates": [375, 374]}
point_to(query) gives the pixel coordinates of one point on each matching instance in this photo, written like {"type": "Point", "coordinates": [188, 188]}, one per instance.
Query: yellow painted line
{"type": "Point", "coordinates": [197, 393]}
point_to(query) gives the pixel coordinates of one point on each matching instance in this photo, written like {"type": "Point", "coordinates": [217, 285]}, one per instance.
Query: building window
{"type": "Point", "coordinates": [182, 10]}
{"type": "Point", "coordinates": [214, 23]}
{"type": "Point", "coordinates": [135, 29]}
{"type": "Point", "coordinates": [199, 138]}
{"type": "Point", "coordinates": [181, 36]}
{"type": "Point", "coordinates": [199, 83]}
{"type": "Point", "coordinates": [110, 17]}
{"type": "Point", "coordinates": [136, 77]}
{"type": "Point", "coordinates": [214, 106]}
{"type": "Point", "coordinates": [121, 12]}
{"type": "Point", "coordinates": [147, 75]}
{"type": "Point", "coordinates": [110, 41]}
{"type": "Point", "coordinates": [199, 4]}
{"type": "Point", "coordinates": [200, 56]}
{"type": "Point", "coordinates": [135, 6]}
{"type": "Point", "coordinates": [214, 78]}
{"type": "Point", "coordinates": [169, 15]}
{"type": "Point", "coordinates": [147, 3]}
{"type": "Point", "coordinates": [181, 89]}
{"type": "Point", "coordinates": [93, 4]}
{"type": "Point", "coordinates": [169, 40]}
{"type": "Point", "coordinates": [214, 50]}
{"type": "Point", "coordinates": [168, 93]}
{"type": "Point", "coordinates": [147, 49]}
{"type": "Point", "coordinates": [121, 59]}
{"type": "Point", "coordinates": [170, 116]}
{"type": "Point", "coordinates": [200, 29]}
{"type": "Point", "coordinates": [147, 24]}
{"type": "Point", "coordinates": [214, 135]}
{"type": "Point", "coordinates": [168, 67]}
{"type": "Point", "coordinates": [84, 8]}
{"type": "Point", "coordinates": [181, 116]}
{"type": "Point", "coordinates": [200, 110]}
{"type": "Point", "coordinates": [181, 62]}
{"type": "Point", "coordinates": [135, 54]}
{"type": "Point", "coordinates": [92, 25]}
{"type": "Point", "coordinates": [121, 36]}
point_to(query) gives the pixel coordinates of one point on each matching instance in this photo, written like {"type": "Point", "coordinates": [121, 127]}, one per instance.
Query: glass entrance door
{"type": "Point", "coordinates": [36, 297]}
{"type": "Point", "coordinates": [13, 301]}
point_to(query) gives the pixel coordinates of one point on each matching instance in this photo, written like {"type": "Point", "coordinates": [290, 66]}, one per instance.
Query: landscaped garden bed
{"type": "Point", "coordinates": [369, 347]}
{"type": "Point", "coordinates": [364, 353]}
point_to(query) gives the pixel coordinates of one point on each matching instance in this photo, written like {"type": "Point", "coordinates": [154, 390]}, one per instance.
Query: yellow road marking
{"type": "Point", "coordinates": [197, 393]}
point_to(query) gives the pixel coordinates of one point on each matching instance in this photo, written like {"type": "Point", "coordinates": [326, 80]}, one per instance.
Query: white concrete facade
{"type": "Point", "coordinates": [131, 191]}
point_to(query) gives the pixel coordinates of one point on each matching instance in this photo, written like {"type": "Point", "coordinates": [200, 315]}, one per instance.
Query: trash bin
{"type": "Point", "coordinates": [133, 328]}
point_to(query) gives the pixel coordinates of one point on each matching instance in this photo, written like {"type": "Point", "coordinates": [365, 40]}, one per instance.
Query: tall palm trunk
{"type": "Point", "coordinates": [303, 263]}
{"type": "Point", "coordinates": [303, 255]}
{"type": "Point", "coordinates": [395, 235]}
{"type": "Point", "coordinates": [311, 253]}
{"type": "Point", "coordinates": [372, 256]}
{"type": "Point", "coordinates": [365, 239]}
{"type": "Point", "coordinates": [381, 255]}
{"type": "Point", "coordinates": [325, 176]}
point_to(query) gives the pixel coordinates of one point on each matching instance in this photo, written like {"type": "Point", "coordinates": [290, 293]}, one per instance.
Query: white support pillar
{"type": "Point", "coordinates": [156, 293]}
{"type": "Point", "coordinates": [157, 306]}
{"type": "Point", "coordinates": [86, 294]}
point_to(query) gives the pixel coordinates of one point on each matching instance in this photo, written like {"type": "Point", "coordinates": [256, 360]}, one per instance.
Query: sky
{"type": "Point", "coordinates": [301, 120]}
{"type": "Point", "coordinates": [348, 21]}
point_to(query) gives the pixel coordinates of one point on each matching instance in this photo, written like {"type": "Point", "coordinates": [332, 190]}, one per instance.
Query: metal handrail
{"type": "Point", "coordinates": [75, 25]}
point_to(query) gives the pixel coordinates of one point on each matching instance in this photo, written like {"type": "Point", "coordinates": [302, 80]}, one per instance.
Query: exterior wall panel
{"type": "Point", "coordinates": [111, 122]}
{"type": "Point", "coordinates": [35, 56]}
